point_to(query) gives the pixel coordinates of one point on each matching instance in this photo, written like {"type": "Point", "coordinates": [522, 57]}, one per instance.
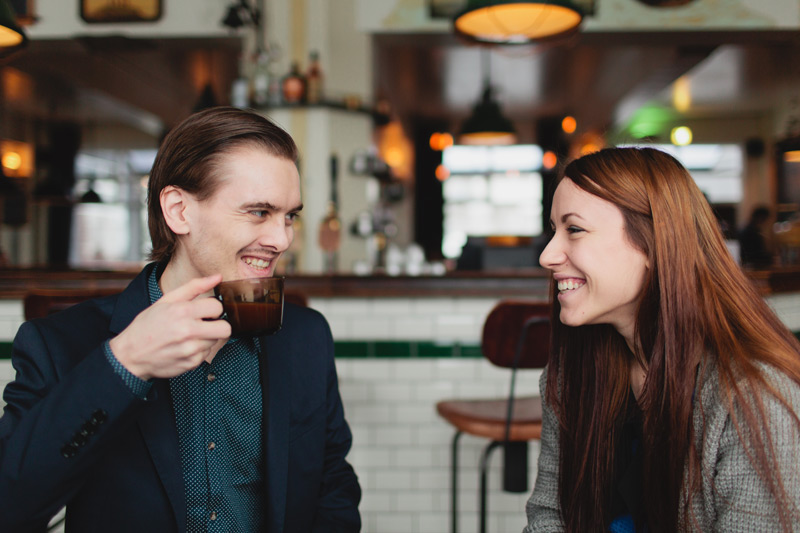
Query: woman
{"type": "Point", "coordinates": [672, 391]}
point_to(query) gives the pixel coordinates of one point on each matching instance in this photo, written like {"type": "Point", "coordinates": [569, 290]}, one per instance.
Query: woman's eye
{"type": "Point", "coordinates": [574, 229]}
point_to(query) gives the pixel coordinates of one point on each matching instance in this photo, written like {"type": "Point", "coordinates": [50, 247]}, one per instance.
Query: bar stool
{"type": "Point", "coordinates": [516, 334]}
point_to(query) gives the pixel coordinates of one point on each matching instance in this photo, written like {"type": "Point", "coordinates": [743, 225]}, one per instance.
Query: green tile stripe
{"type": "Point", "coordinates": [404, 349]}
{"type": "Point", "coordinates": [380, 349]}
{"type": "Point", "coordinates": [374, 349]}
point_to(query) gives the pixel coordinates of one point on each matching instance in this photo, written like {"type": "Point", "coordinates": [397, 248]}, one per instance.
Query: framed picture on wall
{"type": "Point", "coordinates": [109, 11]}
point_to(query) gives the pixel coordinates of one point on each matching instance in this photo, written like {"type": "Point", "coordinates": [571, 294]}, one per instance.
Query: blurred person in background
{"type": "Point", "coordinates": [753, 241]}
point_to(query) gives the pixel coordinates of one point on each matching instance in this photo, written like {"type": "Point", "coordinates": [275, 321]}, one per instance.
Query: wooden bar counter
{"type": "Point", "coordinates": [531, 283]}
{"type": "Point", "coordinates": [522, 283]}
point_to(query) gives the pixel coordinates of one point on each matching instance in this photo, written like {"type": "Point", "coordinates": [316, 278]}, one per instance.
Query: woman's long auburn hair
{"type": "Point", "coordinates": [695, 301]}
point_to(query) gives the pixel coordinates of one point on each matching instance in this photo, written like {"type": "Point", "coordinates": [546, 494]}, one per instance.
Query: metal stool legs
{"type": "Point", "coordinates": [485, 482]}
{"type": "Point", "coordinates": [515, 476]}
{"type": "Point", "coordinates": [454, 484]}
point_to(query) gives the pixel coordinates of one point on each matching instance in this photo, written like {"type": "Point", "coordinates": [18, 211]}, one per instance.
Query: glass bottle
{"type": "Point", "coordinates": [259, 94]}
{"type": "Point", "coordinates": [314, 92]}
{"type": "Point", "coordinates": [240, 88]}
{"type": "Point", "coordinates": [294, 86]}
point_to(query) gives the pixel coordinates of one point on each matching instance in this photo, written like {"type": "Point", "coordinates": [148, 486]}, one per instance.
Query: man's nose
{"type": "Point", "coordinates": [276, 234]}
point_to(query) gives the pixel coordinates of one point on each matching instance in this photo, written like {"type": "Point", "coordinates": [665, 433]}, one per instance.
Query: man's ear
{"type": "Point", "coordinates": [175, 203]}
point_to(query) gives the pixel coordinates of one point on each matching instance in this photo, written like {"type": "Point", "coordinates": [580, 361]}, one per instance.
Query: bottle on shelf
{"type": "Point", "coordinates": [330, 229]}
{"type": "Point", "coordinates": [240, 88]}
{"type": "Point", "coordinates": [294, 86]}
{"type": "Point", "coordinates": [314, 79]}
{"type": "Point", "coordinates": [259, 90]}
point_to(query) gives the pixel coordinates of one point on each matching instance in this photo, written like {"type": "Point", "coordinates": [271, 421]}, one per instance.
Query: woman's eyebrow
{"type": "Point", "coordinates": [565, 216]}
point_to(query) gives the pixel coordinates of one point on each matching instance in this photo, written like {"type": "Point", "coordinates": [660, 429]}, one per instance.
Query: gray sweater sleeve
{"type": "Point", "coordinates": [735, 497]}
{"type": "Point", "coordinates": [544, 515]}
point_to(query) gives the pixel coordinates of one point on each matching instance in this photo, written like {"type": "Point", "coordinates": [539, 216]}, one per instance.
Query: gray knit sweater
{"type": "Point", "coordinates": [733, 498]}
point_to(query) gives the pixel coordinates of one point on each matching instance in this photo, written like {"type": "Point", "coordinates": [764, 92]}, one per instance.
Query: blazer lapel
{"type": "Point", "coordinates": [157, 420]}
{"type": "Point", "coordinates": [275, 371]}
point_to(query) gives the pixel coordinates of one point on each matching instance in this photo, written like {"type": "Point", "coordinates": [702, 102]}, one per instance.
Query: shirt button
{"type": "Point", "coordinates": [211, 377]}
{"type": "Point", "coordinates": [213, 515]}
{"type": "Point", "coordinates": [211, 445]}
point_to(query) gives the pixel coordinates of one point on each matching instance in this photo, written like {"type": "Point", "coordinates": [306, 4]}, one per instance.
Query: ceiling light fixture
{"type": "Point", "coordinates": [11, 35]}
{"type": "Point", "coordinates": [515, 22]}
{"type": "Point", "coordinates": [665, 3]}
{"type": "Point", "coordinates": [487, 125]}
{"type": "Point", "coordinates": [240, 14]}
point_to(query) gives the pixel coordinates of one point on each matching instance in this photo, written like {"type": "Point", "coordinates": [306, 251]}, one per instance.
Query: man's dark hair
{"type": "Point", "coordinates": [188, 155]}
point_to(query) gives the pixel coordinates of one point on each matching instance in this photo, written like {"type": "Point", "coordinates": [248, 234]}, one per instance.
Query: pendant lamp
{"type": "Point", "coordinates": [516, 22]}
{"type": "Point", "coordinates": [666, 3]}
{"type": "Point", "coordinates": [11, 35]}
{"type": "Point", "coordinates": [487, 125]}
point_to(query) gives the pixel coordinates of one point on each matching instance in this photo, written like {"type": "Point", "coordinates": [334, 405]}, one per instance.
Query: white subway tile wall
{"type": "Point", "coordinates": [401, 448]}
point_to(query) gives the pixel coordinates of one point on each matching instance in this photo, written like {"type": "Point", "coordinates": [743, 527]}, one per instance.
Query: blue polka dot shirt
{"type": "Point", "coordinates": [218, 416]}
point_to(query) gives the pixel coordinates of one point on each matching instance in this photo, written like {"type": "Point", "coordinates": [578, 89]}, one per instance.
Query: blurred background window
{"type": "Point", "coordinates": [109, 224]}
{"type": "Point", "coordinates": [491, 190]}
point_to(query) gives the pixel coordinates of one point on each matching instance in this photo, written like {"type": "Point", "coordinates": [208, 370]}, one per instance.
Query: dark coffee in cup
{"type": "Point", "coordinates": [253, 307]}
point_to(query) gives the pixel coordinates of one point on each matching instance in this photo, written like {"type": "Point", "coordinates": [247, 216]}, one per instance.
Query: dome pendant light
{"type": "Point", "coordinates": [11, 35]}
{"type": "Point", "coordinates": [515, 22]}
{"type": "Point", "coordinates": [487, 125]}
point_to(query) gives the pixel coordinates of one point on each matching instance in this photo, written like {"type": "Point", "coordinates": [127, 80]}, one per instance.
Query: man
{"type": "Point", "coordinates": [139, 414]}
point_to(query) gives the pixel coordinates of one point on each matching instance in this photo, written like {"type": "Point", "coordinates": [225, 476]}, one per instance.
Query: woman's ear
{"type": "Point", "coordinates": [174, 206]}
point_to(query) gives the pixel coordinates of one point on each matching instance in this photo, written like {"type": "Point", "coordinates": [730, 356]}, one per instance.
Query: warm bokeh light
{"type": "Point", "coordinates": [589, 148]}
{"type": "Point", "coordinates": [17, 158]}
{"type": "Point", "coordinates": [16, 85]}
{"type": "Point", "coordinates": [12, 160]}
{"type": "Point", "coordinates": [569, 124]}
{"type": "Point", "coordinates": [681, 136]}
{"type": "Point", "coordinates": [442, 173]}
{"type": "Point", "coordinates": [440, 141]}
{"type": "Point", "coordinates": [393, 156]}
{"type": "Point", "coordinates": [549, 160]}
{"type": "Point", "coordinates": [792, 156]}
{"type": "Point", "coordinates": [395, 149]}
{"type": "Point", "coordinates": [682, 94]}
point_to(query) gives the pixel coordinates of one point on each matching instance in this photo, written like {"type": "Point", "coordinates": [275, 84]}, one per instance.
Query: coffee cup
{"type": "Point", "coordinates": [252, 307]}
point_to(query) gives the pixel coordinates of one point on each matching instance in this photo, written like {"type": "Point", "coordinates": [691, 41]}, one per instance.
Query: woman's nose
{"type": "Point", "coordinates": [552, 254]}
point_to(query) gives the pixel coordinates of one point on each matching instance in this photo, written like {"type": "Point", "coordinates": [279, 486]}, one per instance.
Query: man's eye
{"type": "Point", "coordinates": [259, 213]}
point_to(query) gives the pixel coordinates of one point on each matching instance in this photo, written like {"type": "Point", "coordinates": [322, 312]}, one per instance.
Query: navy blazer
{"type": "Point", "coordinates": [73, 434]}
